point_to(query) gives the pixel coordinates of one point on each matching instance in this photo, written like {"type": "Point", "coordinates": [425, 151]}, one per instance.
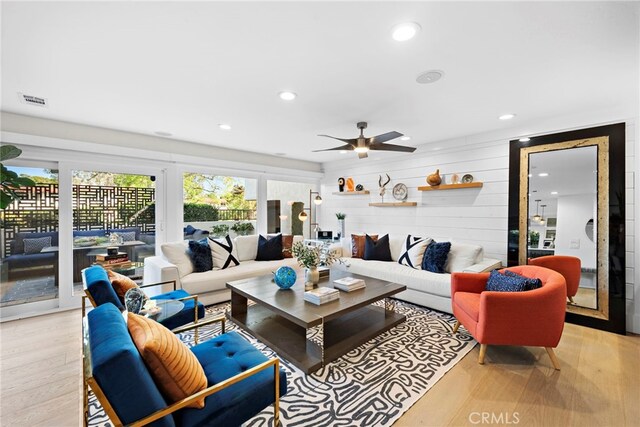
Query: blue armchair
{"type": "Point", "coordinates": [98, 290]}
{"type": "Point", "coordinates": [241, 381]}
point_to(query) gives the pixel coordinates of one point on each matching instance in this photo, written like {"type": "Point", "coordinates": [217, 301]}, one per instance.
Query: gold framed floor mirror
{"type": "Point", "coordinates": [566, 197]}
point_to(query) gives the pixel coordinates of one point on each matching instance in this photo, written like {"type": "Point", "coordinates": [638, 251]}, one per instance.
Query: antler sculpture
{"type": "Point", "coordinates": [382, 186]}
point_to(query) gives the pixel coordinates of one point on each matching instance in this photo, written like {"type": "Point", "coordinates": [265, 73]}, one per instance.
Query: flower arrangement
{"type": "Point", "coordinates": [313, 256]}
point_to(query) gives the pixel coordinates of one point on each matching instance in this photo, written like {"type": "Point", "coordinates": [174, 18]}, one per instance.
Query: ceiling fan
{"type": "Point", "coordinates": [362, 145]}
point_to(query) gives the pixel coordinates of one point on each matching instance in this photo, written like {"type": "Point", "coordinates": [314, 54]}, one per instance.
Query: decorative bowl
{"type": "Point", "coordinates": [285, 277]}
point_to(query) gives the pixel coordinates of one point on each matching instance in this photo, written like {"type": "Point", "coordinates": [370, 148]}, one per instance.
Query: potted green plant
{"type": "Point", "coordinates": [220, 230]}
{"type": "Point", "coordinates": [534, 238]}
{"type": "Point", "coordinates": [9, 180]}
{"type": "Point", "coordinates": [242, 228]}
{"type": "Point", "coordinates": [341, 216]}
{"type": "Point", "coordinates": [310, 257]}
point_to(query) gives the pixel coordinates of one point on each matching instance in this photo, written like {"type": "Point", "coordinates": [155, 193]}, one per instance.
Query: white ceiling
{"type": "Point", "coordinates": [186, 67]}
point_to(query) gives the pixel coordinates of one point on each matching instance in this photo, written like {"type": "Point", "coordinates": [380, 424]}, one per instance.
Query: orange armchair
{"type": "Point", "coordinates": [529, 318]}
{"type": "Point", "coordinates": [569, 266]}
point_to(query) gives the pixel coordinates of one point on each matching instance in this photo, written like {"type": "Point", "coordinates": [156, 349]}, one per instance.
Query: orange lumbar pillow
{"type": "Point", "coordinates": [120, 283]}
{"type": "Point", "coordinates": [172, 365]}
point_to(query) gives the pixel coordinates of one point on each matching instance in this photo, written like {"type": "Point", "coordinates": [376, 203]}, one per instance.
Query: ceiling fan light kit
{"type": "Point", "coordinates": [362, 145]}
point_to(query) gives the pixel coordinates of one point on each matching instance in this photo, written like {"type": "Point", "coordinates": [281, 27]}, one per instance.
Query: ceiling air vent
{"type": "Point", "coordinates": [33, 100]}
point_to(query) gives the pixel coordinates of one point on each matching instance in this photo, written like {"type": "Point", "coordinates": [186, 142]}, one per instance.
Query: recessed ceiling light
{"type": "Point", "coordinates": [525, 139]}
{"type": "Point", "coordinates": [343, 151]}
{"type": "Point", "coordinates": [430, 76]}
{"type": "Point", "coordinates": [554, 192]}
{"type": "Point", "coordinates": [405, 138]}
{"type": "Point", "coordinates": [405, 31]}
{"type": "Point", "coordinates": [162, 133]}
{"type": "Point", "coordinates": [543, 174]}
{"type": "Point", "coordinates": [287, 96]}
{"type": "Point", "coordinates": [507, 116]}
{"type": "Point", "coordinates": [224, 127]}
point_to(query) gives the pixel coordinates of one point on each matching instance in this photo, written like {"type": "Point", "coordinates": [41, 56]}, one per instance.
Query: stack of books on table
{"type": "Point", "coordinates": [321, 295]}
{"type": "Point", "coordinates": [120, 260]}
{"type": "Point", "coordinates": [348, 284]}
{"type": "Point", "coordinates": [324, 272]}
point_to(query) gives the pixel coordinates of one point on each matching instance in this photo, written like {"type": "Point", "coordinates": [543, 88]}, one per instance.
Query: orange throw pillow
{"type": "Point", "coordinates": [172, 365]}
{"type": "Point", "coordinates": [357, 244]}
{"type": "Point", "coordinates": [287, 243]}
{"type": "Point", "coordinates": [121, 284]}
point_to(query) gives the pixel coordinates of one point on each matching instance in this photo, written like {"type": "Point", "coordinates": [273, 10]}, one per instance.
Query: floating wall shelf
{"type": "Point", "coordinates": [396, 204]}
{"type": "Point", "coordinates": [450, 186]}
{"type": "Point", "coordinates": [351, 193]}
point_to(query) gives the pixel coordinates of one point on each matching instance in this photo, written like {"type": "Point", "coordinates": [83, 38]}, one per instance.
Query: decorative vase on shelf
{"type": "Point", "coordinates": [341, 225]}
{"type": "Point", "coordinates": [311, 276]}
{"type": "Point", "coordinates": [434, 179]}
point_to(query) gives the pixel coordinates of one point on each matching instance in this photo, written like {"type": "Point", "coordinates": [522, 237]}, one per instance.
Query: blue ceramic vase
{"type": "Point", "coordinates": [285, 277]}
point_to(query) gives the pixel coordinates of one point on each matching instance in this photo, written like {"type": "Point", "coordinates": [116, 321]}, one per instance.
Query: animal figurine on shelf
{"type": "Point", "coordinates": [382, 186]}
{"type": "Point", "coordinates": [434, 179]}
{"type": "Point", "coordinates": [359, 187]}
{"type": "Point", "coordinates": [341, 184]}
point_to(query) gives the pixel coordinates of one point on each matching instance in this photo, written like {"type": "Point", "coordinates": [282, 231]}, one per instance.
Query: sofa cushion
{"type": "Point", "coordinates": [223, 357]}
{"type": "Point", "coordinates": [503, 282]}
{"type": "Point", "coordinates": [224, 253]}
{"type": "Point", "coordinates": [99, 287]}
{"type": "Point", "coordinates": [461, 256]}
{"type": "Point", "coordinates": [176, 254]}
{"type": "Point", "coordinates": [119, 369]}
{"type": "Point", "coordinates": [377, 250]}
{"type": "Point", "coordinates": [211, 281]}
{"type": "Point", "coordinates": [418, 280]}
{"type": "Point", "coordinates": [175, 369]}
{"type": "Point", "coordinates": [200, 255]}
{"type": "Point", "coordinates": [435, 257]}
{"type": "Point", "coordinates": [120, 283]}
{"type": "Point", "coordinates": [247, 247]}
{"type": "Point", "coordinates": [469, 302]}
{"type": "Point", "coordinates": [413, 251]}
{"type": "Point", "coordinates": [36, 245]}
{"type": "Point", "coordinates": [358, 243]}
{"type": "Point", "coordinates": [270, 249]}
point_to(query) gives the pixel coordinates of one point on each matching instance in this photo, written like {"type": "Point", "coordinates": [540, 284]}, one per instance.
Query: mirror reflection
{"type": "Point", "coordinates": [563, 212]}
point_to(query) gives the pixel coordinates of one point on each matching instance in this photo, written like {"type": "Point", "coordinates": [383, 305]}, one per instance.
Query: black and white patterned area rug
{"type": "Point", "coordinates": [372, 385]}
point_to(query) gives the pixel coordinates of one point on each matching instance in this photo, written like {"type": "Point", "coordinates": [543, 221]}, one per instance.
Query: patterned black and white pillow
{"type": "Point", "coordinates": [224, 253]}
{"type": "Point", "coordinates": [413, 251]}
{"type": "Point", "coordinates": [127, 236]}
{"type": "Point", "coordinates": [34, 246]}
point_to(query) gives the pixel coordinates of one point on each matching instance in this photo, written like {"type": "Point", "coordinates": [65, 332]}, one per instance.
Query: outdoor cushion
{"type": "Point", "coordinates": [172, 365]}
{"type": "Point", "coordinates": [186, 314]}
{"type": "Point", "coordinates": [223, 357]}
{"type": "Point", "coordinates": [121, 231]}
{"type": "Point", "coordinates": [99, 287]}
{"type": "Point", "coordinates": [119, 369]}
{"type": "Point", "coordinates": [89, 233]}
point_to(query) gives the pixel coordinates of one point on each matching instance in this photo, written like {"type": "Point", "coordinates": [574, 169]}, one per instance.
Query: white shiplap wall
{"type": "Point", "coordinates": [476, 216]}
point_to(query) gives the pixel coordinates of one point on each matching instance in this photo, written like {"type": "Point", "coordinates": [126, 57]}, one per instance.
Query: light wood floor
{"type": "Point", "coordinates": [599, 384]}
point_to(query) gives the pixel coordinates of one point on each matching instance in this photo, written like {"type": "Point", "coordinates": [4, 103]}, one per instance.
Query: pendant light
{"type": "Point", "coordinates": [541, 220]}
{"type": "Point", "coordinates": [536, 217]}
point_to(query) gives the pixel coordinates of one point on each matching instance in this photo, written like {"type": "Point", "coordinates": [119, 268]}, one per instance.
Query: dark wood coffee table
{"type": "Point", "coordinates": [281, 318]}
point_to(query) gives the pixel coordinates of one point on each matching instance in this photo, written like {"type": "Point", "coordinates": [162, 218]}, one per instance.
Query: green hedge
{"type": "Point", "coordinates": [200, 212]}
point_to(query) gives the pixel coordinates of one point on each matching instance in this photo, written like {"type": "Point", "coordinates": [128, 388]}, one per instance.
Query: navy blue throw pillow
{"type": "Point", "coordinates": [531, 283]}
{"type": "Point", "coordinates": [499, 282]}
{"type": "Point", "coordinates": [435, 257]}
{"type": "Point", "coordinates": [270, 249]}
{"type": "Point", "coordinates": [200, 254]}
{"type": "Point", "coordinates": [377, 250]}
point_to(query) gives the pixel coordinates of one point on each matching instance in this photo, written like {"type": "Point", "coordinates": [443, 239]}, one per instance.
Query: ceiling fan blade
{"type": "Point", "coordinates": [392, 147]}
{"type": "Point", "coordinates": [341, 148]}
{"type": "Point", "coordinates": [348, 141]}
{"type": "Point", "coordinates": [384, 137]}
{"type": "Point", "coordinates": [362, 155]}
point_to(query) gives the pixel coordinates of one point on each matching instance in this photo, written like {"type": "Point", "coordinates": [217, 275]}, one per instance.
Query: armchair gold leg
{"type": "Point", "coordinates": [276, 402]}
{"type": "Point", "coordinates": [483, 351]}
{"type": "Point", "coordinates": [195, 320]}
{"type": "Point", "coordinates": [456, 326]}
{"type": "Point", "coordinates": [571, 299]}
{"type": "Point", "coordinates": [554, 358]}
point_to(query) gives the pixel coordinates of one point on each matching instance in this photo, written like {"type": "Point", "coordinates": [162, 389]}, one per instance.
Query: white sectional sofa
{"type": "Point", "coordinates": [423, 287]}
{"type": "Point", "coordinates": [210, 286]}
